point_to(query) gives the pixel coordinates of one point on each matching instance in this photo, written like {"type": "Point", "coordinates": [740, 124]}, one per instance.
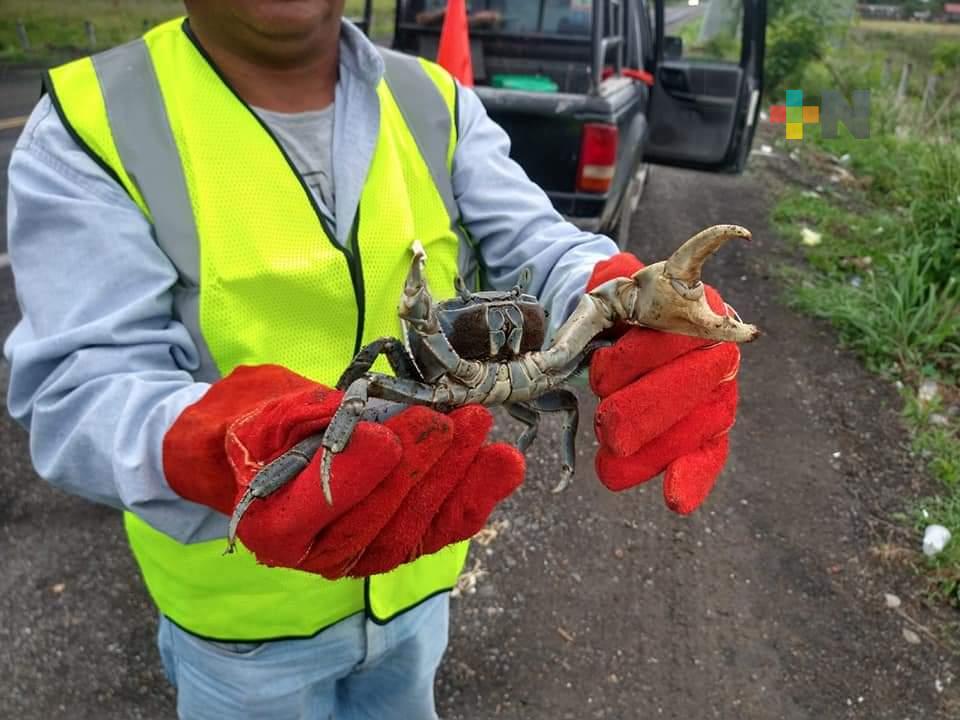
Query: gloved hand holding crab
{"type": "Point", "coordinates": [314, 487]}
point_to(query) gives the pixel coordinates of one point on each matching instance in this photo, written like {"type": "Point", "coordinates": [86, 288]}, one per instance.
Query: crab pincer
{"type": "Point", "coordinates": [670, 296]}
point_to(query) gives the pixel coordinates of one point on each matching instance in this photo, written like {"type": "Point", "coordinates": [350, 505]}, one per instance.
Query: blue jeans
{"type": "Point", "coordinates": [352, 670]}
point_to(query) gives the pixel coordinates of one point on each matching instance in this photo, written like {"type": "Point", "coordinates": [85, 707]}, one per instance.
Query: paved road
{"type": "Point", "coordinates": [676, 14]}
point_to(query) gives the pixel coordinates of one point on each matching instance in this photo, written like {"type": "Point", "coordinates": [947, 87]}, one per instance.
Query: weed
{"type": "Point", "coordinates": [56, 30]}
{"type": "Point", "coordinates": [944, 568]}
{"type": "Point", "coordinates": [886, 269]}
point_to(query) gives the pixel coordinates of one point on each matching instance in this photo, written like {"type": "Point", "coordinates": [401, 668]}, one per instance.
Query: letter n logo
{"type": "Point", "coordinates": [834, 109]}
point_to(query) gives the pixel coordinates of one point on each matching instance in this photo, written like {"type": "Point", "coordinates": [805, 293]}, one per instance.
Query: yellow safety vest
{"type": "Point", "coordinates": [262, 280]}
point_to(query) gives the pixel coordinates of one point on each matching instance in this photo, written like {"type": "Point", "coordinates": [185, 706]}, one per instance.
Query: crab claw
{"type": "Point", "coordinates": [416, 304]}
{"type": "Point", "coordinates": [670, 297]}
{"type": "Point", "coordinates": [415, 283]}
{"type": "Point", "coordinates": [685, 264]}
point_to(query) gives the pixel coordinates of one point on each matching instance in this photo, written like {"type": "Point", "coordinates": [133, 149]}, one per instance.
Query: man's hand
{"type": "Point", "coordinates": [667, 403]}
{"type": "Point", "coordinates": [408, 487]}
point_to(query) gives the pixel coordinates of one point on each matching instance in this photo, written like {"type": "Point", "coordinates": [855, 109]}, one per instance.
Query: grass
{"type": "Point", "coordinates": [878, 276]}
{"type": "Point", "coordinates": [56, 29]}
{"type": "Point", "coordinates": [886, 272]}
{"type": "Point", "coordinates": [914, 42]}
{"type": "Point", "coordinates": [939, 446]}
{"type": "Point", "coordinates": [901, 28]}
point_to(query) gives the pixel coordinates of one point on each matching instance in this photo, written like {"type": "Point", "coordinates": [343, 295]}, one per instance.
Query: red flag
{"type": "Point", "coordinates": [454, 52]}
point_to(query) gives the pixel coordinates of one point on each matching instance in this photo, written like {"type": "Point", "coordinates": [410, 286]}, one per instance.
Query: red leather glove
{"type": "Point", "coordinates": [408, 487]}
{"type": "Point", "coordinates": [667, 403]}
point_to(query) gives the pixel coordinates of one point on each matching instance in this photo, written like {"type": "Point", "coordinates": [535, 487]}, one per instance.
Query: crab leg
{"type": "Point", "coordinates": [364, 360]}
{"type": "Point", "coordinates": [273, 476]}
{"type": "Point", "coordinates": [562, 401]}
{"type": "Point", "coordinates": [528, 412]}
{"type": "Point", "coordinates": [373, 385]}
{"type": "Point", "coordinates": [529, 417]}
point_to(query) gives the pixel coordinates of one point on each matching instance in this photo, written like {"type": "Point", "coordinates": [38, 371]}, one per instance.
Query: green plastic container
{"type": "Point", "coordinates": [528, 83]}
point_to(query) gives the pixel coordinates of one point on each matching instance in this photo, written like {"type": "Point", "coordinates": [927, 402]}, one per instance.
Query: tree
{"type": "Point", "coordinates": [798, 33]}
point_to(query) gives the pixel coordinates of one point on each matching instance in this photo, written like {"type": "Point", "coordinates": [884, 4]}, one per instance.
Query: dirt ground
{"type": "Point", "coordinates": [766, 604]}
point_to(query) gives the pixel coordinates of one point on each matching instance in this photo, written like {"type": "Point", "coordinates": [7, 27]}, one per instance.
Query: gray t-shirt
{"type": "Point", "coordinates": [307, 138]}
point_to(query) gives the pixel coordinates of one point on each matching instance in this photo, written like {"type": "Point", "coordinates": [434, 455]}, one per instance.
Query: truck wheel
{"type": "Point", "coordinates": [620, 232]}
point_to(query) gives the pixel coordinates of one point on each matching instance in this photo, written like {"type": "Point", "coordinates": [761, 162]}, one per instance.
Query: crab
{"type": "Point", "coordinates": [486, 348]}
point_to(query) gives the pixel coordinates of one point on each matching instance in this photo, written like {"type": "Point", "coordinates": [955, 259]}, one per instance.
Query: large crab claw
{"type": "Point", "coordinates": [669, 295]}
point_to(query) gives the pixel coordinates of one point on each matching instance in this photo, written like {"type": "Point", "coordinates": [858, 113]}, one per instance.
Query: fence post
{"type": "Point", "coordinates": [947, 103]}
{"type": "Point", "coordinates": [928, 93]}
{"type": "Point", "coordinates": [904, 82]}
{"type": "Point", "coordinates": [91, 34]}
{"type": "Point", "coordinates": [887, 72]}
{"type": "Point", "coordinates": [22, 35]}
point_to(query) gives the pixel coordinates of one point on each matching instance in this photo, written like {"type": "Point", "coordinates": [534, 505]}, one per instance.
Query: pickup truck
{"type": "Point", "coordinates": [590, 91]}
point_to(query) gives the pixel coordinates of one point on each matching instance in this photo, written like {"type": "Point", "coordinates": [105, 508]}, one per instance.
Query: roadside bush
{"type": "Point", "coordinates": [884, 262]}
{"type": "Point", "coordinates": [794, 40]}
{"type": "Point", "coordinates": [800, 32]}
{"type": "Point", "coordinates": [897, 319]}
{"type": "Point", "coordinates": [935, 213]}
{"type": "Point", "coordinates": [946, 56]}
{"type": "Point", "coordinates": [901, 312]}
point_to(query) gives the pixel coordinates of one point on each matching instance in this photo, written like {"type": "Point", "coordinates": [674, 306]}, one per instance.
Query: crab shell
{"type": "Point", "coordinates": [488, 326]}
{"type": "Point", "coordinates": [494, 325]}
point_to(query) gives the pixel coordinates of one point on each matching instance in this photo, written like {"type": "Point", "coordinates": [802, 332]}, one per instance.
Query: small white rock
{"type": "Point", "coordinates": [935, 539]}
{"type": "Point", "coordinates": [928, 391]}
{"type": "Point", "coordinates": [911, 637]}
{"type": "Point", "coordinates": [810, 237]}
{"type": "Point", "coordinates": [892, 600]}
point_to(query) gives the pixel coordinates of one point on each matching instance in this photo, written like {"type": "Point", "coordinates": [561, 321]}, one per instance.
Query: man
{"type": "Point", "coordinates": [205, 225]}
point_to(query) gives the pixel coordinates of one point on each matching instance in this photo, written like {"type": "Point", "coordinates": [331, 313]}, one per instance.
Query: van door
{"type": "Point", "coordinates": [708, 79]}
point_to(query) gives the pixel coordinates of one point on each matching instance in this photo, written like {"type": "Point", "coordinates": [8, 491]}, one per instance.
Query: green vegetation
{"type": "Point", "coordinates": [56, 29]}
{"type": "Point", "coordinates": [801, 32]}
{"type": "Point", "coordinates": [884, 266]}
{"type": "Point", "coordinates": [713, 37]}
{"type": "Point", "coordinates": [901, 28]}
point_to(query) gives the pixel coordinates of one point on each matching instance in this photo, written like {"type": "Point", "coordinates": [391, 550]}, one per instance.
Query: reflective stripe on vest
{"type": "Point", "coordinates": [262, 279]}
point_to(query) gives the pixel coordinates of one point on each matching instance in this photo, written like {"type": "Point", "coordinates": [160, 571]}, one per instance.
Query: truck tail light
{"type": "Point", "coordinates": [598, 157]}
